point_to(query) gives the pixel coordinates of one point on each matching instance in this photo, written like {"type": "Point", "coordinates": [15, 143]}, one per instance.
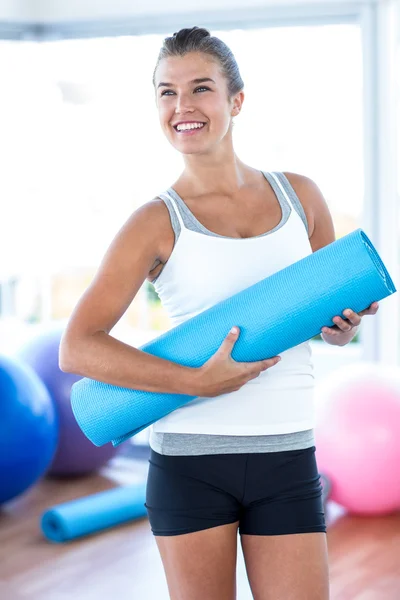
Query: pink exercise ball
{"type": "Point", "coordinates": [357, 436]}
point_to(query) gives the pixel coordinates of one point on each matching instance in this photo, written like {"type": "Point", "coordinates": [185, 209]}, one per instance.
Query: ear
{"type": "Point", "coordinates": [237, 104]}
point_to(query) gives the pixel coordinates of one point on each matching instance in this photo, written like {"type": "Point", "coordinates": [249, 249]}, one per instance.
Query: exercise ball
{"type": "Point", "coordinates": [75, 454]}
{"type": "Point", "coordinates": [28, 428]}
{"type": "Point", "coordinates": [357, 435]}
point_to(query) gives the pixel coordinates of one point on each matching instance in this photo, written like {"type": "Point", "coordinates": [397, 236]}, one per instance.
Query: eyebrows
{"type": "Point", "coordinates": [198, 80]}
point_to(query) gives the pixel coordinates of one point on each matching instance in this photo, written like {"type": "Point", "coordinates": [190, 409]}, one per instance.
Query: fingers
{"type": "Point", "coordinates": [228, 343]}
{"type": "Point", "coordinates": [371, 310]}
{"type": "Point", "coordinates": [269, 362]}
{"type": "Point", "coordinates": [262, 365]}
{"type": "Point", "coordinates": [352, 319]}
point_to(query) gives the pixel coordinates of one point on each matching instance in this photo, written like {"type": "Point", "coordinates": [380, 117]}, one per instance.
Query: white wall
{"type": "Point", "coordinates": [19, 10]}
{"type": "Point", "coordinates": [47, 11]}
{"type": "Point", "coordinates": [62, 10]}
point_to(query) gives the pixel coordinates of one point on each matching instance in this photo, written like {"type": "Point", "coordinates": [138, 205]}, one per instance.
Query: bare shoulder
{"type": "Point", "coordinates": [302, 182]}
{"type": "Point", "coordinates": [307, 192]}
{"type": "Point", "coordinates": [315, 206]}
{"type": "Point", "coordinates": [153, 220]}
{"type": "Point", "coordinates": [143, 237]}
{"type": "Point", "coordinates": [152, 213]}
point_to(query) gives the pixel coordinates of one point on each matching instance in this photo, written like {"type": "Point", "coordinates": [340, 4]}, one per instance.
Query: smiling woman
{"type": "Point", "coordinates": [199, 91]}
{"type": "Point", "coordinates": [241, 455]}
{"type": "Point", "coordinates": [188, 108]}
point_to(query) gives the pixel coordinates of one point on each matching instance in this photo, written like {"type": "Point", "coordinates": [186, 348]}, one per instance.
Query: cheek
{"type": "Point", "coordinates": [164, 116]}
{"type": "Point", "coordinates": [217, 111]}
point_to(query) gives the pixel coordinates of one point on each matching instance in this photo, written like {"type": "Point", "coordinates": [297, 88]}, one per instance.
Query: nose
{"type": "Point", "coordinates": [184, 103]}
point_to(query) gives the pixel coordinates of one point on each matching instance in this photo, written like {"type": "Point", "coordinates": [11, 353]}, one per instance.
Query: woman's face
{"type": "Point", "coordinates": [193, 105]}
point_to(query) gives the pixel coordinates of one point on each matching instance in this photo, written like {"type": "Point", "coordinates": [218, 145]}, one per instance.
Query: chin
{"type": "Point", "coordinates": [184, 148]}
{"type": "Point", "coordinates": [192, 151]}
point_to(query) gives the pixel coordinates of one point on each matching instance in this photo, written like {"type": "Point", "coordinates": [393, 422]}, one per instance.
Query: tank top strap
{"type": "Point", "coordinates": [167, 195]}
{"type": "Point", "coordinates": [276, 179]}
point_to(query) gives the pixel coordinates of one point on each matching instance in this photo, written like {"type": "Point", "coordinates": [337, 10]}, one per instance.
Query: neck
{"type": "Point", "coordinates": [206, 174]}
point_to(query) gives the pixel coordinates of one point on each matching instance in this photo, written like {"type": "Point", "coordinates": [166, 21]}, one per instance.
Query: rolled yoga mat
{"type": "Point", "coordinates": [94, 513]}
{"type": "Point", "coordinates": [277, 313]}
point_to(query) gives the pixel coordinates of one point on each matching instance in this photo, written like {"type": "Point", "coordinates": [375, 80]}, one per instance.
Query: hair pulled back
{"type": "Point", "coordinates": [199, 39]}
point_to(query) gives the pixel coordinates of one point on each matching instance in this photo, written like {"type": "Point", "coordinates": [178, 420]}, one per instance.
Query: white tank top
{"type": "Point", "coordinates": [203, 270]}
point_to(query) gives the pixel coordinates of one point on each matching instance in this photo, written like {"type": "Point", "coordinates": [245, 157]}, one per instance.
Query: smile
{"type": "Point", "coordinates": [189, 128]}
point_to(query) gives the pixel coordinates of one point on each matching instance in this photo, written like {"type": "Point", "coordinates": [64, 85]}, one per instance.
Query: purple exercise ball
{"type": "Point", "coordinates": [75, 454]}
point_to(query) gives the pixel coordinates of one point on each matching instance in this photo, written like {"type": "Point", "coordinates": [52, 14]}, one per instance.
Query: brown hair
{"type": "Point", "coordinates": [198, 39]}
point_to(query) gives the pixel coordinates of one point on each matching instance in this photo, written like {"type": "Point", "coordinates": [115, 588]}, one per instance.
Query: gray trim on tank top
{"type": "Point", "coordinates": [193, 444]}
{"type": "Point", "coordinates": [192, 223]}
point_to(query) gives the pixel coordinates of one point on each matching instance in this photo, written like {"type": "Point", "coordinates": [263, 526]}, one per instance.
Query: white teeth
{"type": "Point", "coordinates": [184, 126]}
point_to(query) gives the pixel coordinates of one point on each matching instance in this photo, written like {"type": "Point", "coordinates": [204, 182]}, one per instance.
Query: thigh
{"type": "Point", "coordinates": [287, 567]}
{"type": "Point", "coordinates": [201, 565]}
{"type": "Point", "coordinates": [283, 530]}
{"type": "Point", "coordinates": [193, 508]}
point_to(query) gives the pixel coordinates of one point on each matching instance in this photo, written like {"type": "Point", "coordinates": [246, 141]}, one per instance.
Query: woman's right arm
{"type": "Point", "coordinates": [88, 349]}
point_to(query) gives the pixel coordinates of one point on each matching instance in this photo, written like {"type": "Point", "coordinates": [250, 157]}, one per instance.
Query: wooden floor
{"type": "Point", "coordinates": [123, 563]}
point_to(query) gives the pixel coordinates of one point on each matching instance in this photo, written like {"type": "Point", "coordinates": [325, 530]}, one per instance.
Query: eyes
{"type": "Point", "coordinates": [202, 87]}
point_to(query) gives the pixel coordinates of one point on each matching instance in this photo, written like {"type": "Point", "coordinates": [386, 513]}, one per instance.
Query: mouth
{"type": "Point", "coordinates": [190, 130]}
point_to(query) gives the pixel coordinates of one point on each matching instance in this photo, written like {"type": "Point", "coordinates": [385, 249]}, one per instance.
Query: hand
{"type": "Point", "coordinates": [221, 374]}
{"type": "Point", "coordinates": [341, 333]}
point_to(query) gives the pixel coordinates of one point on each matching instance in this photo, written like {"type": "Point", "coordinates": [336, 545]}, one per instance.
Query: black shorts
{"type": "Point", "coordinates": [269, 493]}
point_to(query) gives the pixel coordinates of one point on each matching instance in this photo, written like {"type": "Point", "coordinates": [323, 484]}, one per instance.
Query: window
{"type": "Point", "coordinates": [86, 146]}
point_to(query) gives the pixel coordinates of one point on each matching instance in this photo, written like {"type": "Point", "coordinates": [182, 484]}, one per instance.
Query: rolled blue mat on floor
{"type": "Point", "coordinates": [275, 314]}
{"type": "Point", "coordinates": [94, 513]}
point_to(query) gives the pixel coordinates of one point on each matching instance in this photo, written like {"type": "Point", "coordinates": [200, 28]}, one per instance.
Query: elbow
{"type": "Point", "coordinates": [65, 366]}
{"type": "Point", "coordinates": [68, 356]}
{"type": "Point", "coordinates": [65, 363]}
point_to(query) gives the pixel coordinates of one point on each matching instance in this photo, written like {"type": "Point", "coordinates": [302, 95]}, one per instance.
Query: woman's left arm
{"type": "Point", "coordinates": [322, 233]}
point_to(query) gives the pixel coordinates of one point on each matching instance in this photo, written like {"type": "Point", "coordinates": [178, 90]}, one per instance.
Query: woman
{"type": "Point", "coordinates": [241, 456]}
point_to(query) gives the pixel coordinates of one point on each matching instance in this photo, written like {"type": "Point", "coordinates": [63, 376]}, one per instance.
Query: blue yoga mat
{"type": "Point", "coordinates": [94, 513]}
{"type": "Point", "coordinates": [275, 314]}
